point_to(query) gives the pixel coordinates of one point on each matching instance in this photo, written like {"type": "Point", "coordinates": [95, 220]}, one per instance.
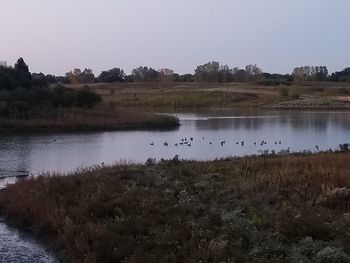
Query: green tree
{"type": "Point", "coordinates": [166, 75]}
{"type": "Point", "coordinates": [343, 75]}
{"type": "Point", "coordinates": [21, 66]}
{"type": "Point", "coordinates": [254, 73]}
{"type": "Point", "coordinates": [112, 75]}
{"type": "Point", "coordinates": [308, 73]}
{"type": "Point", "coordinates": [321, 73]}
{"type": "Point", "coordinates": [209, 72]}
{"type": "Point", "coordinates": [145, 74]}
{"type": "Point", "coordinates": [87, 76]}
{"type": "Point", "coordinates": [87, 98]}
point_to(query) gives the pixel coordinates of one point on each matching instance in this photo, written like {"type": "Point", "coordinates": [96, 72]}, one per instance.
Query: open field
{"type": "Point", "coordinates": [216, 95]}
{"type": "Point", "coordinates": [255, 209]}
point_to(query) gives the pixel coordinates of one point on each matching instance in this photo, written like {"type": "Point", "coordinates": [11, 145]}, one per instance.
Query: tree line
{"type": "Point", "coordinates": [209, 72]}
{"type": "Point", "coordinates": [23, 93]}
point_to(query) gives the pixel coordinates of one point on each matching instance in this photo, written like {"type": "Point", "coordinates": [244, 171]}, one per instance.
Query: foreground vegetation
{"type": "Point", "coordinates": [253, 209]}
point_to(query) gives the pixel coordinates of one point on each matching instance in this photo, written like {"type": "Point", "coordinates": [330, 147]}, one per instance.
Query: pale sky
{"type": "Point", "coordinates": [55, 36]}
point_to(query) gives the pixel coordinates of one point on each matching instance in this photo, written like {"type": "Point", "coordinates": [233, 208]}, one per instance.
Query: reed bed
{"type": "Point", "coordinates": [291, 208]}
{"type": "Point", "coordinates": [102, 118]}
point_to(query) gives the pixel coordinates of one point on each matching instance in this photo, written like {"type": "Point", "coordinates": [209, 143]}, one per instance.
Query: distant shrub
{"type": "Point", "coordinates": [87, 98]}
{"type": "Point", "coordinates": [284, 91]}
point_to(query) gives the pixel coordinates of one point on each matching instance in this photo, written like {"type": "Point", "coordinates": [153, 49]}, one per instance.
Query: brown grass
{"type": "Point", "coordinates": [253, 209]}
{"type": "Point", "coordinates": [222, 95]}
{"type": "Point", "coordinates": [100, 118]}
{"type": "Point", "coordinates": [184, 95]}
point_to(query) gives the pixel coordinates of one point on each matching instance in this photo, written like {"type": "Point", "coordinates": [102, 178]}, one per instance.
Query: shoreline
{"type": "Point", "coordinates": [40, 131]}
{"type": "Point", "coordinates": [89, 122]}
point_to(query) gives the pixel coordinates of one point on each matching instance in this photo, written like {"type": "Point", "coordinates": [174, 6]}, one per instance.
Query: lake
{"type": "Point", "coordinates": [202, 136]}
{"type": "Point", "coordinates": [242, 131]}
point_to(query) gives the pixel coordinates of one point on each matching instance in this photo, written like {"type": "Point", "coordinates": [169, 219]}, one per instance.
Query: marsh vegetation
{"type": "Point", "coordinates": [252, 209]}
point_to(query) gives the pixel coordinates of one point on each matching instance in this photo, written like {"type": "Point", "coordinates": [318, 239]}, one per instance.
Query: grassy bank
{"type": "Point", "coordinates": [253, 209]}
{"type": "Point", "coordinates": [220, 95]}
{"type": "Point", "coordinates": [184, 95]}
{"type": "Point", "coordinates": [100, 118]}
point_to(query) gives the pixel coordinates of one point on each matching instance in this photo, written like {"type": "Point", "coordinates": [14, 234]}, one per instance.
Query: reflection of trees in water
{"type": "Point", "coordinates": [16, 155]}
{"type": "Point", "coordinates": [319, 121]}
{"type": "Point", "coordinates": [295, 120]}
{"type": "Point", "coordinates": [343, 120]}
{"type": "Point", "coordinates": [230, 124]}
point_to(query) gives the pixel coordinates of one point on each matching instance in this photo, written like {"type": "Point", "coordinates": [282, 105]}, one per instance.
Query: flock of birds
{"type": "Point", "coordinates": [188, 142]}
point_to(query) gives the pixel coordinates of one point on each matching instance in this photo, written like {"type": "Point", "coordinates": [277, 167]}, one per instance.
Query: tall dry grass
{"type": "Point", "coordinates": [253, 209]}
{"type": "Point", "coordinates": [100, 118]}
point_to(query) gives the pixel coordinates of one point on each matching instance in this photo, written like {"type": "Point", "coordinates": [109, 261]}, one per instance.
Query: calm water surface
{"type": "Point", "coordinates": [299, 130]}
{"type": "Point", "coordinates": [22, 155]}
{"type": "Point", "coordinates": [18, 247]}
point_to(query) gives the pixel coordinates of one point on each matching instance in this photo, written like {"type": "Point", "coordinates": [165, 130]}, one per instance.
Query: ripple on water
{"type": "Point", "coordinates": [17, 247]}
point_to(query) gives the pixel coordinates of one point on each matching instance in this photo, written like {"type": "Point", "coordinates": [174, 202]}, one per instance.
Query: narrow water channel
{"type": "Point", "coordinates": [20, 247]}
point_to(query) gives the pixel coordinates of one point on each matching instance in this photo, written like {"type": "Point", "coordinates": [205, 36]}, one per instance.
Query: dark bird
{"type": "Point", "coordinates": [166, 144]}
{"type": "Point", "coordinates": [152, 143]}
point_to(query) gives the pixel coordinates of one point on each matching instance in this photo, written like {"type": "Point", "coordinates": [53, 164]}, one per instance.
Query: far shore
{"type": "Point", "coordinates": [191, 96]}
{"type": "Point", "coordinates": [130, 106]}
{"type": "Point", "coordinates": [90, 120]}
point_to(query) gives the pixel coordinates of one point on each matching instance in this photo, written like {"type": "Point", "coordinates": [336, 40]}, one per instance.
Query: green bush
{"type": "Point", "coordinates": [284, 91]}
{"type": "Point", "coordinates": [87, 98]}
